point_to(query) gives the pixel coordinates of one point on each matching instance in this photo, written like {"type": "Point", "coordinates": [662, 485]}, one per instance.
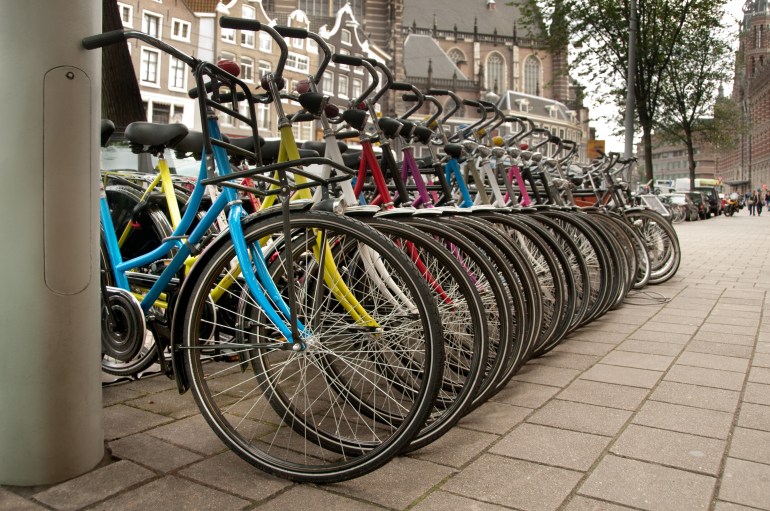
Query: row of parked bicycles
{"type": "Point", "coordinates": [330, 308]}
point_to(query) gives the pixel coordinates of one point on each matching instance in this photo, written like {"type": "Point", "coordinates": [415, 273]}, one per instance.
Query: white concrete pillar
{"type": "Point", "coordinates": [50, 382]}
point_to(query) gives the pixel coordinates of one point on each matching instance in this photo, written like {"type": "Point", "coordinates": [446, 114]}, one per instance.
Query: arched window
{"type": "Point", "coordinates": [532, 76]}
{"type": "Point", "coordinates": [495, 73]}
{"type": "Point", "coordinates": [457, 56]}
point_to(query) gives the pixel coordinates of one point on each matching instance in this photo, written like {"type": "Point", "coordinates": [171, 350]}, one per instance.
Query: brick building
{"type": "Point", "coordinates": [474, 47]}
{"type": "Point", "coordinates": [747, 166]}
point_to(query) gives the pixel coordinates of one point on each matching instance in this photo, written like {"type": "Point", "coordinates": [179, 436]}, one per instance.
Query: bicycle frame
{"type": "Point", "coordinates": [260, 284]}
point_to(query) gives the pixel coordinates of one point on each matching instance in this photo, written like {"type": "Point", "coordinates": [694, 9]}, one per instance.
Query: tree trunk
{"type": "Point", "coordinates": [690, 157]}
{"type": "Point", "coordinates": [647, 144]}
{"type": "Point", "coordinates": [121, 99]}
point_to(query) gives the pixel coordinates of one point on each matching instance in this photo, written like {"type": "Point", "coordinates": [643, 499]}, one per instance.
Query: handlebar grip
{"type": "Point", "coordinates": [100, 40]}
{"type": "Point", "coordinates": [349, 60]}
{"type": "Point", "coordinates": [295, 32]}
{"type": "Point", "coordinates": [194, 93]}
{"type": "Point", "coordinates": [437, 92]}
{"type": "Point", "coordinates": [240, 23]}
{"type": "Point", "coordinates": [470, 102]}
{"type": "Point", "coordinates": [410, 97]}
{"type": "Point", "coordinates": [401, 86]}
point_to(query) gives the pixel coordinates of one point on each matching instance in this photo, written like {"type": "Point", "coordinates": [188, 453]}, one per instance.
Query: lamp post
{"type": "Point", "coordinates": [630, 82]}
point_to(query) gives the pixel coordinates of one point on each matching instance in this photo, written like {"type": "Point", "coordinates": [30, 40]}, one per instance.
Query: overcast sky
{"type": "Point", "coordinates": [604, 128]}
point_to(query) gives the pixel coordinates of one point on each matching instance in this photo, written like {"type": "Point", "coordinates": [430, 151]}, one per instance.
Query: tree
{"type": "Point", "coordinates": [121, 99]}
{"type": "Point", "coordinates": [699, 65]}
{"type": "Point", "coordinates": [724, 130]}
{"type": "Point", "coordinates": [599, 33]}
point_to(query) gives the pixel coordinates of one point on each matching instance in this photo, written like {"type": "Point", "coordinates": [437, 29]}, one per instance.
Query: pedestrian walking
{"type": "Point", "coordinates": [752, 202]}
{"type": "Point", "coordinates": [760, 201]}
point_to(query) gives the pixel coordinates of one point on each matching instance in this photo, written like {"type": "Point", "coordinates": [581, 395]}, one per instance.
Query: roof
{"type": "Point", "coordinates": [202, 5]}
{"type": "Point", "coordinates": [462, 13]}
{"type": "Point", "coordinates": [419, 50]}
{"type": "Point", "coordinates": [538, 106]}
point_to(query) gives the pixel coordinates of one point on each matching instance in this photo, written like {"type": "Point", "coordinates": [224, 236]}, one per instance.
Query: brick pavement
{"type": "Point", "coordinates": [654, 406]}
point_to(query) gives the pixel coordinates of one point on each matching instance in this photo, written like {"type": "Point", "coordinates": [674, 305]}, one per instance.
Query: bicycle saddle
{"type": "Point", "coordinates": [107, 128]}
{"type": "Point", "coordinates": [453, 150]}
{"type": "Point", "coordinates": [390, 127]}
{"type": "Point", "coordinates": [146, 137]}
{"type": "Point", "coordinates": [192, 144]}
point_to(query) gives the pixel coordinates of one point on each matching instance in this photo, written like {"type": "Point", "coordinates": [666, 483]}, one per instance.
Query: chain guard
{"type": "Point", "coordinates": [123, 337]}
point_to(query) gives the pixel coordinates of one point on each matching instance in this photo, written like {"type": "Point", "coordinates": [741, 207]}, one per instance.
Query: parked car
{"type": "Point", "coordinates": [702, 203]}
{"type": "Point", "coordinates": [713, 197]}
{"type": "Point", "coordinates": [679, 201]}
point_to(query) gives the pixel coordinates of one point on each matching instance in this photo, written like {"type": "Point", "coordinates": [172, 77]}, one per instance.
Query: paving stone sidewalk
{"type": "Point", "coordinates": [656, 406]}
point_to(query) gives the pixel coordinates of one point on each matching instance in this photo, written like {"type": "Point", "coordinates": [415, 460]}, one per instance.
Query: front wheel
{"type": "Point", "coordinates": [365, 377]}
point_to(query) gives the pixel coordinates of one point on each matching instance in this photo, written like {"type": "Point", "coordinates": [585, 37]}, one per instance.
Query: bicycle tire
{"type": "Point", "coordinates": [259, 423]}
{"type": "Point", "coordinates": [464, 324]}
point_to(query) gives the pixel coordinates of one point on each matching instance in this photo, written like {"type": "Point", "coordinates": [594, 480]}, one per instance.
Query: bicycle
{"type": "Point", "coordinates": [274, 326]}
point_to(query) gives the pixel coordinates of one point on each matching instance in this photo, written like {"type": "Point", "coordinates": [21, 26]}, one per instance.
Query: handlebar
{"type": "Point", "coordinates": [256, 26]}
{"type": "Point", "coordinates": [350, 60]}
{"type": "Point", "coordinates": [118, 36]}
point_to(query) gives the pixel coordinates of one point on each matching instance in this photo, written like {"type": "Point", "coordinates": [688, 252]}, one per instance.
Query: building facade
{"type": "Point", "coordinates": [747, 166]}
{"type": "Point", "coordinates": [670, 162]}
{"type": "Point", "coordinates": [474, 47]}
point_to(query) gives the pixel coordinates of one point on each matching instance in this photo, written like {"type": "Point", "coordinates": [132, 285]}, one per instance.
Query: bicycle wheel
{"type": "Point", "coordinates": [485, 266]}
{"type": "Point", "coordinates": [577, 265]}
{"type": "Point", "coordinates": [595, 255]}
{"type": "Point", "coordinates": [558, 304]}
{"type": "Point", "coordinates": [463, 320]}
{"type": "Point", "coordinates": [283, 409]}
{"type": "Point", "coordinates": [661, 242]}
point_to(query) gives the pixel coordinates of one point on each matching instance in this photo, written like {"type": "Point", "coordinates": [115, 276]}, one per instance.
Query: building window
{"type": "Point", "coordinates": [329, 8]}
{"type": "Point", "coordinates": [177, 113]}
{"type": "Point", "coordinates": [342, 86]}
{"type": "Point", "coordinates": [180, 30]}
{"type": "Point", "coordinates": [228, 35]}
{"type": "Point", "coordinates": [495, 73]}
{"type": "Point", "coordinates": [343, 51]}
{"type": "Point", "coordinates": [327, 86]}
{"type": "Point", "coordinates": [358, 88]}
{"type": "Point", "coordinates": [346, 37]}
{"type": "Point", "coordinates": [532, 76]}
{"type": "Point", "coordinates": [247, 69]}
{"type": "Point", "coordinates": [298, 43]}
{"type": "Point", "coordinates": [247, 36]}
{"type": "Point", "coordinates": [264, 68]}
{"type": "Point", "coordinates": [243, 109]}
{"type": "Point", "coordinates": [161, 113]}
{"type": "Point", "coordinates": [126, 14]}
{"type": "Point", "coordinates": [226, 56]}
{"type": "Point", "coordinates": [312, 46]}
{"type": "Point", "coordinates": [457, 56]}
{"type": "Point", "coordinates": [297, 62]}
{"type": "Point", "coordinates": [152, 24]}
{"type": "Point", "coordinates": [177, 74]}
{"type": "Point", "coordinates": [265, 42]}
{"type": "Point", "coordinates": [149, 67]}
{"type": "Point", "coordinates": [263, 116]}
